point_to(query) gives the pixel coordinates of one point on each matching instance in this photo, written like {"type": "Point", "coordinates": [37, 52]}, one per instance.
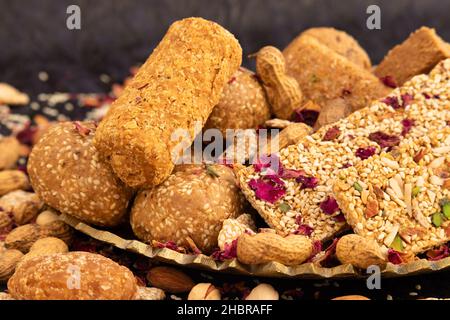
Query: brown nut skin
{"type": "Point", "coordinates": [175, 89]}
{"type": "Point", "coordinates": [243, 104]}
{"type": "Point", "coordinates": [359, 252]}
{"type": "Point", "coordinates": [267, 247]}
{"type": "Point", "coordinates": [72, 276]}
{"type": "Point", "coordinates": [342, 43]}
{"type": "Point", "coordinates": [190, 203]}
{"type": "Point", "coordinates": [9, 152]}
{"type": "Point", "coordinates": [170, 279]}
{"type": "Point", "coordinates": [8, 262]}
{"type": "Point", "coordinates": [67, 174]}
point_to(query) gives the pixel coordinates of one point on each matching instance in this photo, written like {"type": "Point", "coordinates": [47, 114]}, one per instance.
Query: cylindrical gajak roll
{"type": "Point", "coordinates": [175, 89]}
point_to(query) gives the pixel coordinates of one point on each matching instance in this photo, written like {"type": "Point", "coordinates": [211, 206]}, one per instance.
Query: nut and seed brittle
{"type": "Point", "coordinates": [411, 111]}
{"type": "Point", "coordinates": [404, 199]}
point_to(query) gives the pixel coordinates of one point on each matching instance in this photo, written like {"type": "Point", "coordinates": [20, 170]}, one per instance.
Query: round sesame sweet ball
{"type": "Point", "coordinates": [192, 203]}
{"type": "Point", "coordinates": [72, 276]}
{"type": "Point", "coordinates": [68, 174]}
{"type": "Point", "coordinates": [243, 104]}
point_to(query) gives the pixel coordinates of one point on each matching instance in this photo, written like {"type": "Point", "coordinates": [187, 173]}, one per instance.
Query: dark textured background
{"type": "Point", "coordinates": [116, 34]}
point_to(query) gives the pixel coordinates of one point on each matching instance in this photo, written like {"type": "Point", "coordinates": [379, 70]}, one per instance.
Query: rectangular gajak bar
{"type": "Point", "coordinates": [416, 55]}
{"type": "Point", "coordinates": [301, 201]}
{"type": "Point", "coordinates": [325, 75]}
{"type": "Point", "coordinates": [402, 198]}
{"type": "Point", "coordinates": [175, 89]}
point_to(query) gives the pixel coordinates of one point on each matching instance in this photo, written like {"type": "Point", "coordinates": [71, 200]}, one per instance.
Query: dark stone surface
{"type": "Point", "coordinates": [116, 34]}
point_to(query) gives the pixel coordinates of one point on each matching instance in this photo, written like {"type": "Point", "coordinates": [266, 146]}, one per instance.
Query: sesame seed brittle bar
{"type": "Point", "coordinates": [305, 204]}
{"type": "Point", "coordinates": [401, 198]}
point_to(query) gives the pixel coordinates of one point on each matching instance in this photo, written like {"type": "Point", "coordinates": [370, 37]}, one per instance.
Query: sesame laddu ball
{"type": "Point", "coordinates": [243, 104]}
{"type": "Point", "coordinates": [67, 174]}
{"type": "Point", "coordinates": [193, 202]}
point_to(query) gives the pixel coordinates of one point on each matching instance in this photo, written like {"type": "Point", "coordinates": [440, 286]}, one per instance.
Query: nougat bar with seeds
{"type": "Point", "coordinates": [299, 198]}
{"type": "Point", "coordinates": [402, 198]}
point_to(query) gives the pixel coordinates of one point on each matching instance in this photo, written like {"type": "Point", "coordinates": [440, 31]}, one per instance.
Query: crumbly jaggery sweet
{"type": "Point", "coordinates": [243, 104]}
{"type": "Point", "coordinates": [325, 75]}
{"type": "Point", "coordinates": [306, 204]}
{"type": "Point", "coordinates": [193, 202]}
{"type": "Point", "coordinates": [176, 88]}
{"type": "Point", "coordinates": [416, 55]}
{"type": "Point", "coordinates": [342, 43]}
{"type": "Point", "coordinates": [68, 174]}
{"type": "Point", "coordinates": [72, 276]}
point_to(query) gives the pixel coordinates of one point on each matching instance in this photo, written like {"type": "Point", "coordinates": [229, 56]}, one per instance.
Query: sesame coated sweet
{"type": "Point", "coordinates": [72, 276]}
{"type": "Point", "coordinates": [175, 89]}
{"type": "Point", "coordinates": [193, 202]}
{"type": "Point", "coordinates": [67, 173]}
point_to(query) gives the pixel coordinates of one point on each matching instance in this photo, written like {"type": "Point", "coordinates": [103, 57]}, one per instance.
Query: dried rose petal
{"type": "Point", "coordinates": [267, 190]}
{"type": "Point", "coordinates": [391, 101]}
{"type": "Point", "coordinates": [384, 140]}
{"type": "Point", "coordinates": [26, 136]}
{"type": "Point", "coordinates": [298, 219]}
{"type": "Point", "coordinates": [271, 161]}
{"type": "Point", "coordinates": [304, 230]}
{"type": "Point", "coordinates": [339, 218]}
{"type": "Point", "coordinates": [389, 81]}
{"type": "Point", "coordinates": [305, 116]}
{"type": "Point", "coordinates": [407, 99]}
{"type": "Point", "coordinates": [407, 126]}
{"type": "Point", "coordinates": [426, 95]}
{"type": "Point", "coordinates": [291, 174]}
{"type": "Point", "coordinates": [347, 165]}
{"type": "Point", "coordinates": [439, 253]}
{"type": "Point", "coordinates": [329, 259]}
{"type": "Point", "coordinates": [82, 130]}
{"type": "Point", "coordinates": [365, 153]}
{"type": "Point", "coordinates": [329, 205]}
{"type": "Point", "coordinates": [317, 248]}
{"type": "Point", "coordinates": [307, 182]}
{"type": "Point", "coordinates": [331, 134]}
{"type": "Point", "coordinates": [229, 252]}
{"type": "Point", "coordinates": [394, 257]}
{"type": "Point", "coordinates": [346, 92]}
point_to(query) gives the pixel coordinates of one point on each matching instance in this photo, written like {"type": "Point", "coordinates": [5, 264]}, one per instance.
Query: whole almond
{"type": "Point", "coordinates": [359, 251]}
{"type": "Point", "coordinates": [8, 262]}
{"type": "Point", "coordinates": [11, 180]}
{"type": "Point", "coordinates": [204, 291]}
{"type": "Point", "coordinates": [9, 152]}
{"type": "Point", "coordinates": [170, 279]}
